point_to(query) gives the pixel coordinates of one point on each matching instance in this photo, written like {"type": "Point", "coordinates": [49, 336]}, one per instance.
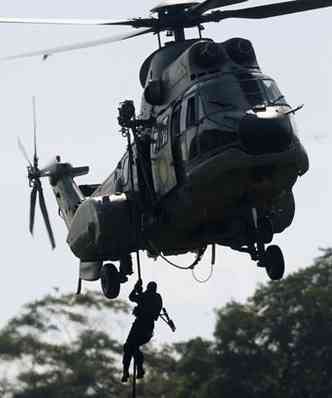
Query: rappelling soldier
{"type": "Point", "coordinates": [147, 311]}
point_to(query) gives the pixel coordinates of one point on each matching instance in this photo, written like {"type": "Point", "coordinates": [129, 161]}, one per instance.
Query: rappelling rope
{"type": "Point", "coordinates": [139, 273]}
{"type": "Point", "coordinates": [134, 380]}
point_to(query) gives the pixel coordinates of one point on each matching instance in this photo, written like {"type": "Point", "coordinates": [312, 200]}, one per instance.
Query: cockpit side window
{"type": "Point", "coordinates": [191, 117]}
{"type": "Point", "coordinates": [125, 170]}
{"type": "Point", "coordinates": [273, 93]}
{"type": "Point", "coordinates": [253, 91]}
{"type": "Point", "coordinates": [175, 123]}
{"type": "Point", "coordinates": [160, 135]}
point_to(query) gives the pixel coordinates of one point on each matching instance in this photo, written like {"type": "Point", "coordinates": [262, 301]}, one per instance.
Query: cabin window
{"type": "Point", "coordinates": [161, 135]}
{"type": "Point", "coordinates": [191, 117]}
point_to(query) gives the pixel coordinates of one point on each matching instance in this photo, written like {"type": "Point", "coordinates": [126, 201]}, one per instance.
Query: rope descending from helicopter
{"type": "Point", "coordinates": [149, 303]}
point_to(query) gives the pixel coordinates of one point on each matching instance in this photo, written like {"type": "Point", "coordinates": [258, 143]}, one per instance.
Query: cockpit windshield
{"type": "Point", "coordinates": [237, 93]}
{"type": "Point", "coordinates": [261, 91]}
{"type": "Point", "coordinates": [225, 99]}
{"type": "Point", "coordinates": [222, 94]}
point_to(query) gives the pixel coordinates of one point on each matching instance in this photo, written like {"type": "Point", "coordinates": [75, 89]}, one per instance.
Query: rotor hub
{"type": "Point", "coordinates": [167, 5]}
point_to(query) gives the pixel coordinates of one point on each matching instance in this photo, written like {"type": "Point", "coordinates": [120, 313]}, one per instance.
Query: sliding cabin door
{"type": "Point", "coordinates": [164, 177]}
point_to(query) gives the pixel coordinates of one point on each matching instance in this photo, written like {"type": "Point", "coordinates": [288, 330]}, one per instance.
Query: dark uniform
{"type": "Point", "coordinates": [149, 305]}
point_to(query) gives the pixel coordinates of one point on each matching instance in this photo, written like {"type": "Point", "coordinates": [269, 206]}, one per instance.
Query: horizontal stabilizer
{"type": "Point", "coordinates": [88, 190]}
{"type": "Point", "coordinates": [79, 171]}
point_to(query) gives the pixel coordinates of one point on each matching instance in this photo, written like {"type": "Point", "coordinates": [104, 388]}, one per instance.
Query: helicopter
{"type": "Point", "coordinates": [211, 159]}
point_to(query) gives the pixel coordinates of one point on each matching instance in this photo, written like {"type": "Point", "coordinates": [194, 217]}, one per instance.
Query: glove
{"type": "Point", "coordinates": [139, 285]}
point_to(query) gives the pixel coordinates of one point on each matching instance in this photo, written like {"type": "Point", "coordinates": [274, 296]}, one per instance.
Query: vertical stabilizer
{"type": "Point", "coordinates": [66, 191]}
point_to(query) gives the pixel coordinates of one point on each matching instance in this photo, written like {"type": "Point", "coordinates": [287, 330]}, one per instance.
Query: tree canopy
{"type": "Point", "coordinates": [276, 344]}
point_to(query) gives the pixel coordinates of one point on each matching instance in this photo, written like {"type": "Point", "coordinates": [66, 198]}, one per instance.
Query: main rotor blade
{"type": "Point", "coordinates": [46, 53]}
{"type": "Point", "coordinates": [45, 215]}
{"type": "Point", "coordinates": [33, 198]}
{"type": "Point", "coordinates": [276, 9]}
{"type": "Point", "coordinates": [56, 21]}
{"type": "Point", "coordinates": [23, 151]}
{"type": "Point", "coordinates": [211, 4]}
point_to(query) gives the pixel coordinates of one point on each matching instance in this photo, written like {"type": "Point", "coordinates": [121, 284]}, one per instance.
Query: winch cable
{"type": "Point", "coordinates": [193, 265]}
{"type": "Point", "coordinates": [139, 273]}
{"type": "Point", "coordinates": [213, 261]}
{"type": "Point", "coordinates": [198, 258]}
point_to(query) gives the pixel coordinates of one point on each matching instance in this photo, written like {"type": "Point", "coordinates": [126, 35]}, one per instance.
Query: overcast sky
{"type": "Point", "coordinates": [77, 99]}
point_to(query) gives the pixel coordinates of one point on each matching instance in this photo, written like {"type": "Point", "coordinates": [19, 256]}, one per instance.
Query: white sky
{"type": "Point", "coordinates": [77, 99]}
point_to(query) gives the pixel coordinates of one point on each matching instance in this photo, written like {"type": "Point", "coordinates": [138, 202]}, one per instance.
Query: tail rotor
{"type": "Point", "coordinates": [34, 176]}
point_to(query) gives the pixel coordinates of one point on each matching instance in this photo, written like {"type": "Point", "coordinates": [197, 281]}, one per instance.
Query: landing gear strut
{"type": "Point", "coordinates": [271, 258]}
{"type": "Point", "coordinates": [110, 281]}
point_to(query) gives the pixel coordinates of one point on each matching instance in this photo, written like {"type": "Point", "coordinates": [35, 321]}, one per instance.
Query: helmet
{"type": "Point", "coordinates": [151, 287]}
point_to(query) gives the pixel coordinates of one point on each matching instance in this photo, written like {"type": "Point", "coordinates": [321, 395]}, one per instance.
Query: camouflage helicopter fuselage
{"type": "Point", "coordinates": [217, 139]}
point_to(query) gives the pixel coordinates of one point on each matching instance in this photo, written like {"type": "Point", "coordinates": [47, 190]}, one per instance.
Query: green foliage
{"type": "Point", "coordinates": [59, 350]}
{"type": "Point", "coordinates": [62, 346]}
{"type": "Point", "coordinates": [277, 344]}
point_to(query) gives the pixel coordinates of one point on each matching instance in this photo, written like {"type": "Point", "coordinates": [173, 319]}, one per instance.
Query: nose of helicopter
{"type": "Point", "coordinates": [266, 132]}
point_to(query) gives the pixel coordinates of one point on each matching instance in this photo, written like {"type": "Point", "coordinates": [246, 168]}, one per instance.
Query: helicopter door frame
{"type": "Point", "coordinates": [163, 170]}
{"type": "Point", "coordinates": [189, 125]}
{"type": "Point", "coordinates": [178, 142]}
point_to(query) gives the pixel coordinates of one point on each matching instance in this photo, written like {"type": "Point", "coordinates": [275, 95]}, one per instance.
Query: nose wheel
{"type": "Point", "coordinates": [270, 258]}
{"type": "Point", "coordinates": [110, 281]}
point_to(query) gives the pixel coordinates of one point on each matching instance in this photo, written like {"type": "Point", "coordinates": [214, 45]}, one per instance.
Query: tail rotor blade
{"type": "Point", "coordinates": [23, 151]}
{"type": "Point", "coordinates": [35, 158]}
{"type": "Point", "coordinates": [45, 215]}
{"type": "Point", "coordinates": [33, 198]}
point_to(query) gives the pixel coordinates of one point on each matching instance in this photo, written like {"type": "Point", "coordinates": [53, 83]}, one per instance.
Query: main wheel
{"type": "Point", "coordinates": [110, 281]}
{"type": "Point", "coordinates": [274, 263]}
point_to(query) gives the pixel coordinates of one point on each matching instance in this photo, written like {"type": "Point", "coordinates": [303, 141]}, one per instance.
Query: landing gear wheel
{"type": "Point", "coordinates": [274, 262]}
{"type": "Point", "coordinates": [110, 281]}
